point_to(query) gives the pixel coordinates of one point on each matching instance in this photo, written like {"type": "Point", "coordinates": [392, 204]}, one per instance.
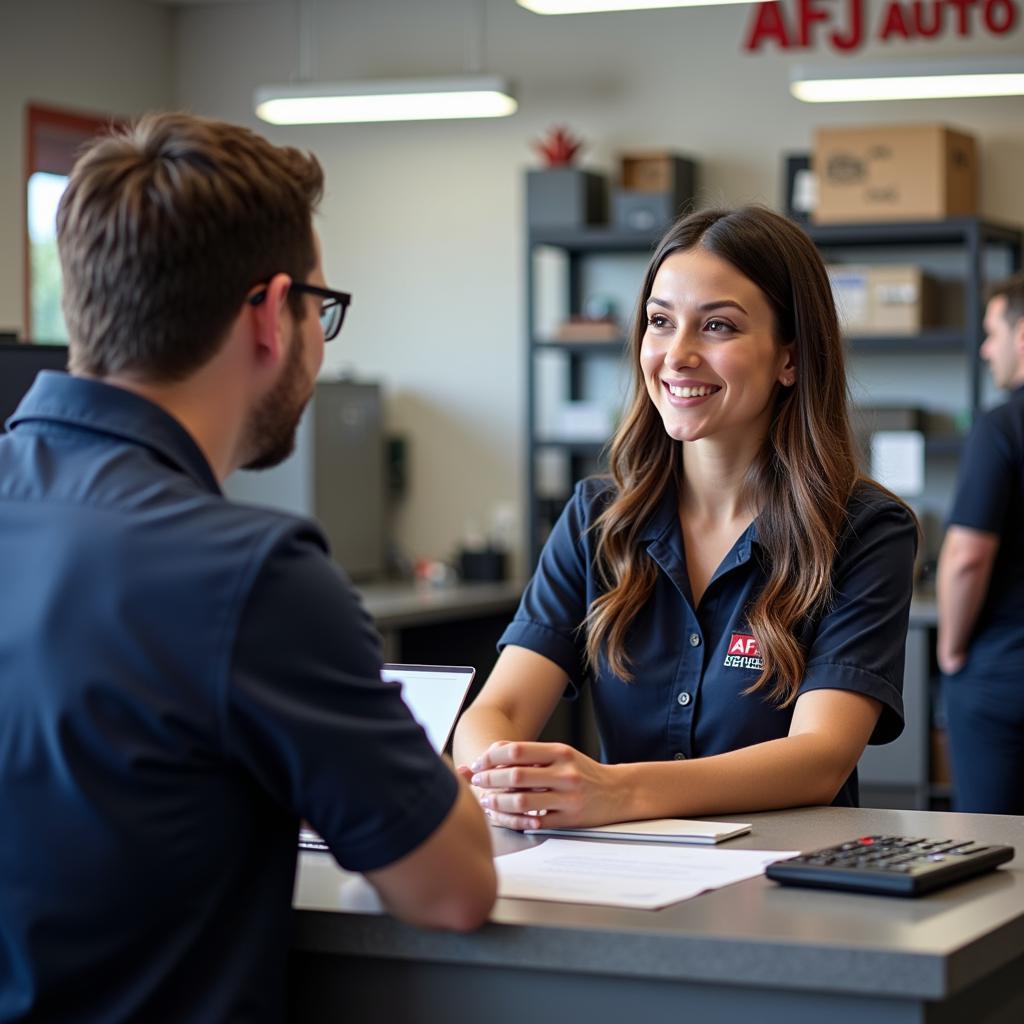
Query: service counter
{"type": "Point", "coordinates": [749, 952]}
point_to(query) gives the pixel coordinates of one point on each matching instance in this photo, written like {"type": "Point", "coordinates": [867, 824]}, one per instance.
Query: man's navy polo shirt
{"type": "Point", "coordinates": [690, 666]}
{"type": "Point", "coordinates": [181, 680]}
{"type": "Point", "coordinates": [990, 497]}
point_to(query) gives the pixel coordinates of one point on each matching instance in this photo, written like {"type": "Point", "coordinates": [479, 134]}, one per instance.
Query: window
{"type": "Point", "coordinates": [54, 138]}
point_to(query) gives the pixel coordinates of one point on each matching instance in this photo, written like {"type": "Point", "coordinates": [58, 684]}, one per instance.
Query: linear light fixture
{"type": "Point", "coordinates": [409, 99]}
{"type": "Point", "coordinates": [924, 81]}
{"type": "Point", "coordinates": [601, 6]}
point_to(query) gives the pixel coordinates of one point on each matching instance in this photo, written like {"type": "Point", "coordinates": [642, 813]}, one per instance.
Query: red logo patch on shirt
{"type": "Point", "coordinates": [744, 644]}
{"type": "Point", "coordinates": [743, 652]}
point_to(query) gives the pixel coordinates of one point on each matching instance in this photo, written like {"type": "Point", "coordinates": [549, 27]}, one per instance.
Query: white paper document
{"type": "Point", "coordinates": [624, 875]}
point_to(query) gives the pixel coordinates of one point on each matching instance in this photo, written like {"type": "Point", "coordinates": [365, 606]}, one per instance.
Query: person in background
{"type": "Point", "coordinates": [981, 583]}
{"type": "Point", "coordinates": [735, 593]}
{"type": "Point", "coordinates": [184, 679]}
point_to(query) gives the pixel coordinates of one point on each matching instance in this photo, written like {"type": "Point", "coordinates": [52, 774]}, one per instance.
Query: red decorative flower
{"type": "Point", "coordinates": [558, 147]}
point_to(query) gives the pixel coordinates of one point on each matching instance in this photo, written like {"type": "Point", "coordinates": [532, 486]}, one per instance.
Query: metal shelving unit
{"type": "Point", "coordinates": [579, 245]}
{"type": "Point", "coordinates": [974, 237]}
{"type": "Point", "coordinates": [906, 768]}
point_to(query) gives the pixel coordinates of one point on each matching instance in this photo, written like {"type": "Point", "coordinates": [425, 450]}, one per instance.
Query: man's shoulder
{"type": "Point", "coordinates": [1007, 417]}
{"type": "Point", "coordinates": [271, 523]}
{"type": "Point", "coordinates": [251, 542]}
{"type": "Point", "coordinates": [997, 437]}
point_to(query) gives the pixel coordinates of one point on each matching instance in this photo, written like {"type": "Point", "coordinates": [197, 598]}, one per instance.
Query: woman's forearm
{"type": "Point", "coordinates": [514, 704]}
{"type": "Point", "coordinates": [789, 772]}
{"type": "Point", "coordinates": [478, 728]}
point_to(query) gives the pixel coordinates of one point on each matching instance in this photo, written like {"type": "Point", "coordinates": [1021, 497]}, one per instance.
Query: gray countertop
{"type": "Point", "coordinates": [754, 930]}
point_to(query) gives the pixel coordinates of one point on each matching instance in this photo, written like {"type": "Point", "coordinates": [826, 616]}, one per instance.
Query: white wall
{"type": "Point", "coordinates": [424, 222]}
{"type": "Point", "coordinates": [98, 56]}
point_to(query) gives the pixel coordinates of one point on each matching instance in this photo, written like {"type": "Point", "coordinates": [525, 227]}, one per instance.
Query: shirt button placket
{"type": "Point", "coordinates": [684, 698]}
{"type": "Point", "coordinates": [689, 677]}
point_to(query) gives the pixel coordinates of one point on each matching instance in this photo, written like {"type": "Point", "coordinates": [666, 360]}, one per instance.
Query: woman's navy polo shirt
{"type": "Point", "coordinates": [690, 665]}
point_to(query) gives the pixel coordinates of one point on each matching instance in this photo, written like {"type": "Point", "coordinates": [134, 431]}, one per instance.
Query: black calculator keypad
{"type": "Point", "coordinates": [890, 865]}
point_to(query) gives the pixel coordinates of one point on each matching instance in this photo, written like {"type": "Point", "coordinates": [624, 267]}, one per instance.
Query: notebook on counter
{"type": "Point", "coordinates": [655, 830]}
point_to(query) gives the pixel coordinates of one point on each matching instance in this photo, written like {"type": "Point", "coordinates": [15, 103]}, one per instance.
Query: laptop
{"type": "Point", "coordinates": [435, 695]}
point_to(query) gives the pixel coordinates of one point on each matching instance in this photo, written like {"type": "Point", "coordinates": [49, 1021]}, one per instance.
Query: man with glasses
{"type": "Point", "coordinates": [185, 679]}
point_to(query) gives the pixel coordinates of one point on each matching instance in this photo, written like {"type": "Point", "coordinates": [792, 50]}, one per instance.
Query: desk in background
{"type": "Point", "coordinates": [749, 952]}
{"type": "Point", "coordinates": [459, 624]}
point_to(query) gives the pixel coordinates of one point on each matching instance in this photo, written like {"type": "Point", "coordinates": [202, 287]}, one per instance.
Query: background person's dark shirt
{"type": "Point", "coordinates": [990, 497]}
{"type": "Point", "coordinates": [181, 679]}
{"type": "Point", "coordinates": [691, 664]}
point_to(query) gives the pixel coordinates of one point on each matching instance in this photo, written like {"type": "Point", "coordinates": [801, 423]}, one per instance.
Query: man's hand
{"type": "Point", "coordinates": [950, 662]}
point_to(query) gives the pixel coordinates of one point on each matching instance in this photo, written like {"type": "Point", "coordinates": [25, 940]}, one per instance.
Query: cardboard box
{"type": "Point", "coordinates": [896, 172]}
{"type": "Point", "coordinates": [655, 187]}
{"type": "Point", "coordinates": [885, 299]}
{"type": "Point", "coordinates": [657, 172]}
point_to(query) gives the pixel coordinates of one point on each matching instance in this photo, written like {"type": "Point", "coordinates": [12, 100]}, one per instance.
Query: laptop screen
{"type": "Point", "coordinates": [434, 694]}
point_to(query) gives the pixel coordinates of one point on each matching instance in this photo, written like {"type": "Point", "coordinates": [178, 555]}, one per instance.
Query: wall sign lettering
{"type": "Point", "coordinates": [845, 25]}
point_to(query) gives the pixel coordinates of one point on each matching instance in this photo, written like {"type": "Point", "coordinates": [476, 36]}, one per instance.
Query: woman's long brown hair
{"type": "Point", "coordinates": [798, 485]}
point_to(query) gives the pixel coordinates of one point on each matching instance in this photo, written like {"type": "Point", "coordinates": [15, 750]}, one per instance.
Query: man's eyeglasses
{"type": "Point", "coordinates": [332, 305]}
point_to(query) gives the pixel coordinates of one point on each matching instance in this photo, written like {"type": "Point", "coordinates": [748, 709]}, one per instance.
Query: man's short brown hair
{"type": "Point", "coordinates": [163, 230]}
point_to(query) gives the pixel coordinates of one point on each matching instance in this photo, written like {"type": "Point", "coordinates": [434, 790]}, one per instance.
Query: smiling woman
{"type": "Point", "coordinates": [735, 593]}
{"type": "Point", "coordinates": [709, 353]}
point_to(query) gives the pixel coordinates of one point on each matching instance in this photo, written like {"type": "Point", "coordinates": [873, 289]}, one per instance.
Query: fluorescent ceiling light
{"type": "Point", "coordinates": [409, 99]}
{"type": "Point", "coordinates": [600, 6]}
{"type": "Point", "coordinates": [922, 81]}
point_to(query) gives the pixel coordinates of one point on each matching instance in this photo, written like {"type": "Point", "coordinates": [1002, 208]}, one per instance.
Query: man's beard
{"type": "Point", "coordinates": [270, 432]}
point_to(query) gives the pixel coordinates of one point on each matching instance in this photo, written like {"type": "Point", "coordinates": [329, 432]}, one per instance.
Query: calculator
{"type": "Point", "coordinates": [890, 865]}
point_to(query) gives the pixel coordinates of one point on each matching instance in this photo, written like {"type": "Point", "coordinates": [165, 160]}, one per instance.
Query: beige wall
{"type": "Point", "coordinates": [98, 56]}
{"type": "Point", "coordinates": [424, 222]}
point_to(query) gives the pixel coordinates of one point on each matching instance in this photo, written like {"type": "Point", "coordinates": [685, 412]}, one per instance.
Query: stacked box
{"type": "Point", "coordinates": [887, 299]}
{"type": "Point", "coordinates": [655, 187]}
{"type": "Point", "coordinates": [894, 172]}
